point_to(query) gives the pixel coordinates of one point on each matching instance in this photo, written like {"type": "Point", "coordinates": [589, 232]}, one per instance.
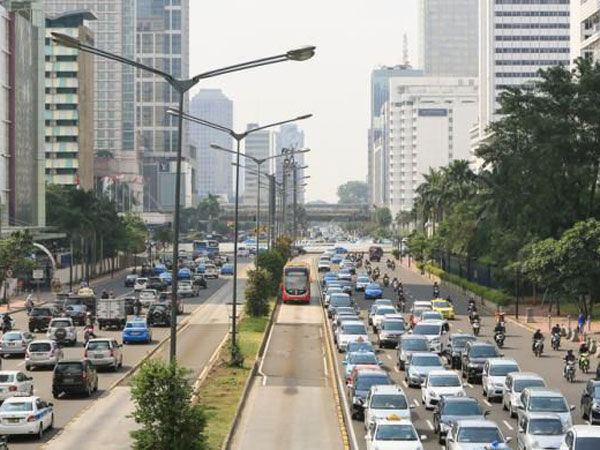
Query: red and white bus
{"type": "Point", "coordinates": [296, 282]}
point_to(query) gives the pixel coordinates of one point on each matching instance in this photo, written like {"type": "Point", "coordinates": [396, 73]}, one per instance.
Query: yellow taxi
{"type": "Point", "coordinates": [444, 307]}
{"type": "Point", "coordinates": [86, 292]}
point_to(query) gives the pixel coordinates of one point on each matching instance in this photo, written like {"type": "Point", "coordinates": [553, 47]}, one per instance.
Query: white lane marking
{"type": "Point", "coordinates": [389, 357]}
{"type": "Point", "coordinates": [416, 402]}
{"type": "Point", "coordinates": [469, 385]}
{"type": "Point", "coordinates": [405, 384]}
{"type": "Point", "coordinates": [325, 366]}
{"type": "Point", "coordinates": [396, 369]}
{"type": "Point", "coordinates": [429, 424]}
{"type": "Point", "coordinates": [22, 363]}
{"type": "Point", "coordinates": [508, 425]}
{"type": "Point", "coordinates": [487, 403]}
{"type": "Point", "coordinates": [460, 331]}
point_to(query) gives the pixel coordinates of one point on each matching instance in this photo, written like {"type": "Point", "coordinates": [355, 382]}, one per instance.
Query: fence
{"type": "Point", "coordinates": [469, 268]}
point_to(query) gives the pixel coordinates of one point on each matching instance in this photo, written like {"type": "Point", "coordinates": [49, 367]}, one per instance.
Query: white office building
{"type": "Point", "coordinates": [257, 145]}
{"type": "Point", "coordinates": [290, 136]}
{"type": "Point", "coordinates": [448, 37]}
{"type": "Point", "coordinates": [427, 121]}
{"type": "Point", "coordinates": [585, 29]}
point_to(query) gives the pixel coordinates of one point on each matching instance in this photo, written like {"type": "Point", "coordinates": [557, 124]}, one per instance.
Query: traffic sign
{"type": "Point", "coordinates": [38, 274]}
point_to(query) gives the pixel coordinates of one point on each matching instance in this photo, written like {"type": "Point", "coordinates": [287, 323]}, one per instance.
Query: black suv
{"type": "Point", "coordinates": [455, 347]}
{"type": "Point", "coordinates": [474, 356]}
{"type": "Point", "coordinates": [156, 283]}
{"type": "Point", "coordinates": [39, 318]}
{"type": "Point", "coordinates": [74, 377]}
{"type": "Point", "coordinates": [449, 410]}
{"type": "Point", "coordinates": [159, 314]}
{"type": "Point", "coordinates": [200, 281]}
{"type": "Point", "coordinates": [590, 398]}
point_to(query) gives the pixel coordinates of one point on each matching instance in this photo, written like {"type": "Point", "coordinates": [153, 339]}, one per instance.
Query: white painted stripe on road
{"type": "Point", "coordinates": [389, 357]}
{"type": "Point", "coordinates": [22, 363]}
{"type": "Point", "coordinates": [429, 424]}
{"type": "Point", "coordinates": [396, 369]}
{"type": "Point", "coordinates": [405, 384]}
{"type": "Point", "coordinates": [416, 402]}
{"type": "Point", "coordinates": [325, 366]}
{"type": "Point", "coordinates": [487, 403]}
{"type": "Point", "coordinates": [460, 331]}
{"type": "Point", "coordinates": [469, 385]}
{"type": "Point", "coordinates": [508, 425]}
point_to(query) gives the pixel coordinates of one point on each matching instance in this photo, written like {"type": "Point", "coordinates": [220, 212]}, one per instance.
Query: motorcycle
{"type": "Point", "coordinates": [476, 326]}
{"type": "Point", "coordinates": [555, 341]}
{"type": "Point", "coordinates": [88, 334]}
{"type": "Point", "coordinates": [388, 264]}
{"type": "Point", "coordinates": [584, 362]}
{"type": "Point", "coordinates": [499, 339]}
{"type": "Point", "coordinates": [538, 347]}
{"type": "Point", "coordinates": [569, 371]}
{"type": "Point", "coordinates": [386, 280]}
{"type": "Point", "coordinates": [471, 306]}
{"type": "Point", "coordinates": [393, 266]}
{"type": "Point", "coordinates": [395, 284]}
{"type": "Point", "coordinates": [436, 292]}
{"type": "Point", "coordinates": [473, 315]}
{"type": "Point", "coordinates": [6, 325]}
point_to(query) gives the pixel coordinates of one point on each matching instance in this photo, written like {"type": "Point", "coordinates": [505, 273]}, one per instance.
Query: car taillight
{"type": "Point", "coordinates": [85, 354]}
{"type": "Point", "coordinates": [12, 388]}
{"type": "Point", "coordinates": [26, 353]}
{"type": "Point", "coordinates": [30, 418]}
{"type": "Point", "coordinates": [84, 376]}
{"type": "Point", "coordinates": [112, 352]}
{"type": "Point", "coordinates": [52, 352]}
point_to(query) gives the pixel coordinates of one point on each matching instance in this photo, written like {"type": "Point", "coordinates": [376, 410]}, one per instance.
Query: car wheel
{"type": "Point", "coordinates": [89, 391]}
{"type": "Point", "coordinates": [51, 422]}
{"type": "Point", "coordinates": [504, 408]}
{"type": "Point", "coordinates": [40, 433]}
{"type": "Point", "coordinates": [27, 367]}
{"type": "Point", "coordinates": [441, 439]}
{"type": "Point", "coordinates": [512, 412]}
{"type": "Point", "coordinates": [584, 416]}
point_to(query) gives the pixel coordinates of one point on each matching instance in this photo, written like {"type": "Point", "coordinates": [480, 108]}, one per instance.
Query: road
{"type": "Point", "coordinates": [291, 403]}
{"type": "Point", "coordinates": [518, 347]}
{"type": "Point", "coordinates": [67, 408]}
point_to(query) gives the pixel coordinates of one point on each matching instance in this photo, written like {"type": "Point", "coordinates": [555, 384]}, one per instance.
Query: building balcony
{"type": "Point", "coordinates": [62, 82]}
{"type": "Point", "coordinates": [62, 99]}
{"type": "Point", "coordinates": [56, 114]}
{"type": "Point", "coordinates": [66, 179]}
{"type": "Point", "coordinates": [62, 163]}
{"type": "Point", "coordinates": [62, 131]}
{"type": "Point", "coordinates": [61, 147]}
{"type": "Point", "coordinates": [62, 66]}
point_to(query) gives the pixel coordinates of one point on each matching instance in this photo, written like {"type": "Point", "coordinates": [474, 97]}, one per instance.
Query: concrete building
{"type": "Point", "coordinates": [69, 103]}
{"type": "Point", "coordinates": [517, 39]}
{"type": "Point", "coordinates": [428, 125]}
{"type": "Point", "coordinates": [257, 145]}
{"type": "Point", "coordinates": [162, 41]}
{"type": "Point", "coordinates": [215, 173]}
{"type": "Point", "coordinates": [290, 136]}
{"type": "Point", "coordinates": [448, 37]}
{"type": "Point", "coordinates": [585, 29]}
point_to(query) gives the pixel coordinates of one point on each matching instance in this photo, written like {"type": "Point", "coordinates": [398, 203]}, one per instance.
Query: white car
{"type": "Point", "coordinates": [383, 401]}
{"type": "Point", "coordinates": [13, 382]}
{"type": "Point", "coordinates": [581, 437]}
{"type": "Point", "coordinates": [185, 288]}
{"type": "Point", "coordinates": [422, 304]}
{"type": "Point", "coordinates": [539, 430]}
{"type": "Point", "coordinates": [148, 297]}
{"type": "Point", "coordinates": [62, 329]}
{"type": "Point", "coordinates": [351, 331]}
{"type": "Point", "coordinates": [536, 399]}
{"type": "Point", "coordinates": [441, 383]}
{"type": "Point", "coordinates": [104, 352]}
{"type": "Point", "coordinates": [140, 284]}
{"type": "Point", "coordinates": [391, 434]}
{"type": "Point", "coordinates": [362, 282]}
{"type": "Point", "coordinates": [324, 266]}
{"type": "Point", "coordinates": [42, 353]}
{"type": "Point", "coordinates": [376, 304]}
{"type": "Point", "coordinates": [211, 271]}
{"type": "Point", "coordinates": [475, 435]}
{"type": "Point", "coordinates": [15, 342]}
{"type": "Point", "coordinates": [26, 415]}
{"type": "Point", "coordinates": [243, 252]}
{"type": "Point", "coordinates": [494, 374]}
{"type": "Point", "coordinates": [380, 313]}
{"type": "Point", "coordinates": [514, 384]}
{"type": "Point", "coordinates": [433, 330]}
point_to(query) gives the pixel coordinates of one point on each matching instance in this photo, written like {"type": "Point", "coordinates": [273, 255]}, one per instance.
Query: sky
{"type": "Point", "coordinates": [352, 37]}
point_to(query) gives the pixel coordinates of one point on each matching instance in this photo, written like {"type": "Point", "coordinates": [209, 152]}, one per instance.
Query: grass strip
{"type": "Point", "coordinates": [221, 391]}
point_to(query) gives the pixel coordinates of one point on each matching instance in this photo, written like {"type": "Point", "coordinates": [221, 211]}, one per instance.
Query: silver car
{"type": "Point", "coordinates": [409, 344]}
{"type": "Point", "coordinates": [15, 342]}
{"type": "Point", "coordinates": [389, 331]}
{"type": "Point", "coordinates": [494, 374]}
{"type": "Point", "coordinates": [104, 352]}
{"type": "Point", "coordinates": [62, 330]}
{"type": "Point", "coordinates": [475, 435]}
{"type": "Point", "coordinates": [419, 366]}
{"type": "Point", "coordinates": [351, 331]}
{"type": "Point", "coordinates": [540, 430]}
{"type": "Point", "coordinates": [514, 385]}
{"type": "Point", "coordinates": [42, 353]}
{"type": "Point", "coordinates": [546, 400]}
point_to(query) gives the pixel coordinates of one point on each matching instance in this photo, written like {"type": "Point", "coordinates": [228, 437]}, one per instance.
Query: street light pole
{"type": "Point", "coordinates": [295, 200]}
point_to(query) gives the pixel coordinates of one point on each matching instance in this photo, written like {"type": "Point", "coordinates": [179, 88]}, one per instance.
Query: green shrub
{"type": "Point", "coordinates": [257, 292]}
{"type": "Point", "coordinates": [396, 253]}
{"type": "Point", "coordinates": [272, 262]}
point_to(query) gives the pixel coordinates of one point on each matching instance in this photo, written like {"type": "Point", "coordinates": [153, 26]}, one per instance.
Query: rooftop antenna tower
{"type": "Point", "coordinates": [405, 61]}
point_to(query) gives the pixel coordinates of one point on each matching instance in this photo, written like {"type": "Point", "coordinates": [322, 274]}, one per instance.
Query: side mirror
{"type": "Point", "coordinates": [412, 406]}
{"type": "Point", "coordinates": [508, 439]}
{"type": "Point", "coordinates": [423, 437]}
{"type": "Point", "coordinates": [521, 407]}
{"type": "Point", "coordinates": [50, 404]}
{"type": "Point", "coordinates": [486, 413]}
{"type": "Point", "coordinates": [572, 407]}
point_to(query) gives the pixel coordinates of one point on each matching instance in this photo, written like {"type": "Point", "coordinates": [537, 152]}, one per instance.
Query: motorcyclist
{"type": "Point", "coordinates": [473, 313]}
{"type": "Point", "coordinates": [537, 336]}
{"type": "Point", "coordinates": [498, 329]}
{"type": "Point", "coordinates": [584, 348]}
{"type": "Point", "coordinates": [386, 279]}
{"type": "Point", "coordinates": [395, 283]}
{"type": "Point", "coordinates": [137, 306]}
{"type": "Point", "coordinates": [449, 300]}
{"type": "Point", "coordinates": [111, 295]}
{"type": "Point", "coordinates": [29, 303]}
{"type": "Point", "coordinates": [569, 358]}
{"type": "Point", "coordinates": [436, 289]}
{"type": "Point", "coordinates": [556, 329]}
{"type": "Point", "coordinates": [104, 294]}
{"type": "Point", "coordinates": [6, 322]}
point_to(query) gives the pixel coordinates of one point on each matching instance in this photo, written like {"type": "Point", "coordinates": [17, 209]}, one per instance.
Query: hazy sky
{"type": "Point", "coordinates": [351, 36]}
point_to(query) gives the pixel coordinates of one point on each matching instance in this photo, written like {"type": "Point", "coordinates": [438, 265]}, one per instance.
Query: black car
{"type": "Point", "coordinates": [39, 318]}
{"type": "Point", "coordinates": [474, 356]}
{"type": "Point", "coordinates": [130, 279]}
{"type": "Point", "coordinates": [74, 377]}
{"type": "Point", "coordinates": [590, 402]}
{"type": "Point", "coordinates": [156, 283]}
{"type": "Point", "coordinates": [455, 347]}
{"type": "Point", "coordinates": [129, 308]}
{"type": "Point", "coordinates": [449, 410]}
{"type": "Point", "coordinates": [77, 313]}
{"type": "Point", "coordinates": [159, 315]}
{"type": "Point", "coordinates": [200, 281]}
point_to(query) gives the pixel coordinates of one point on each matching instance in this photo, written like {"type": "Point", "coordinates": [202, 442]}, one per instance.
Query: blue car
{"type": "Point", "coordinates": [341, 250]}
{"type": "Point", "coordinates": [336, 259]}
{"type": "Point", "coordinates": [201, 268]}
{"type": "Point", "coordinates": [227, 269]}
{"type": "Point", "coordinates": [166, 277]}
{"type": "Point", "coordinates": [329, 277]}
{"type": "Point", "coordinates": [358, 358]}
{"type": "Point", "coordinates": [137, 330]}
{"type": "Point", "coordinates": [159, 268]}
{"type": "Point", "coordinates": [373, 292]}
{"type": "Point", "coordinates": [184, 274]}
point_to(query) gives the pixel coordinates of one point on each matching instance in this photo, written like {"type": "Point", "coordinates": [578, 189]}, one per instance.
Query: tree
{"type": "Point", "coordinates": [283, 244]}
{"type": "Point", "coordinates": [354, 192]}
{"type": "Point", "coordinates": [162, 397]}
{"type": "Point", "coordinates": [15, 255]}
{"type": "Point", "coordinates": [257, 292]}
{"type": "Point", "coordinates": [383, 217]}
{"type": "Point", "coordinates": [272, 262]}
{"type": "Point", "coordinates": [163, 235]}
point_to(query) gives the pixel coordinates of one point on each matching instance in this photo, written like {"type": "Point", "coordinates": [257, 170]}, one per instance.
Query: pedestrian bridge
{"type": "Point", "coordinates": [315, 212]}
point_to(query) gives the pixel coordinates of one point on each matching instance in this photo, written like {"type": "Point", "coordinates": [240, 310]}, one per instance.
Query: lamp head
{"type": "Point", "coordinates": [302, 53]}
{"type": "Point", "coordinates": [65, 40]}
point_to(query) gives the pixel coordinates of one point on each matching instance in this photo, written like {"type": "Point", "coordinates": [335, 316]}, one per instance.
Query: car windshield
{"type": "Point", "coordinates": [427, 329]}
{"type": "Point", "coordinates": [389, 401]}
{"type": "Point", "coordinates": [373, 286]}
{"type": "Point", "coordinates": [40, 347]}
{"type": "Point", "coordinates": [519, 385]}
{"type": "Point", "coordinates": [40, 312]}
{"type": "Point", "coordinates": [427, 361]}
{"type": "Point", "coordinates": [352, 328]}
{"type": "Point", "coordinates": [136, 325]}
{"type": "Point", "coordinates": [481, 434]}
{"type": "Point", "coordinates": [362, 280]}
{"type": "Point", "coordinates": [385, 310]}
{"type": "Point", "coordinates": [362, 358]}
{"type": "Point", "coordinates": [462, 409]}
{"type": "Point", "coordinates": [364, 383]}
{"type": "Point", "coordinates": [393, 325]}
{"type": "Point", "coordinates": [98, 345]}
{"type": "Point", "coordinates": [185, 283]}
{"type": "Point", "coordinates": [460, 342]}
{"type": "Point", "coordinates": [7, 377]}
{"type": "Point", "coordinates": [69, 367]}
{"type": "Point", "coordinates": [597, 391]}
{"type": "Point", "coordinates": [12, 337]}
{"type": "Point", "coordinates": [548, 404]}
{"type": "Point", "coordinates": [503, 370]}
{"type": "Point", "coordinates": [345, 310]}
{"type": "Point", "coordinates": [396, 432]}
{"type": "Point", "coordinates": [431, 315]}
{"type": "Point", "coordinates": [587, 443]}
{"type": "Point", "coordinates": [441, 305]}
{"type": "Point", "coordinates": [16, 407]}
{"type": "Point", "coordinates": [483, 351]}
{"type": "Point", "coordinates": [414, 344]}
{"type": "Point", "coordinates": [552, 427]}
{"type": "Point", "coordinates": [360, 347]}
{"type": "Point", "coordinates": [444, 381]}
{"type": "Point", "coordinates": [340, 300]}
{"type": "Point", "coordinates": [60, 324]}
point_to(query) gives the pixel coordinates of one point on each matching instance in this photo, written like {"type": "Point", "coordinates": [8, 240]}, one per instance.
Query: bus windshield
{"type": "Point", "coordinates": [205, 247]}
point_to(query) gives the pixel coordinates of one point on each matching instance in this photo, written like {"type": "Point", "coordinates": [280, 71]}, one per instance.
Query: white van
{"type": "Point", "coordinates": [243, 251]}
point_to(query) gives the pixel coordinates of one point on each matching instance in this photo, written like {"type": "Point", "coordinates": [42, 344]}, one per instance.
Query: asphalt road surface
{"type": "Point", "coordinates": [66, 408]}
{"type": "Point", "coordinates": [517, 346]}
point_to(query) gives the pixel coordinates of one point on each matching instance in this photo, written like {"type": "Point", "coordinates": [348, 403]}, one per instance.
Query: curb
{"type": "Point", "coordinates": [228, 441]}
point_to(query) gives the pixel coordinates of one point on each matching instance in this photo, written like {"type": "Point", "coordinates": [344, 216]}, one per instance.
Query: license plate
{"type": "Point", "coordinates": [135, 333]}
{"type": "Point", "coordinates": [13, 420]}
{"type": "Point", "coordinates": [98, 356]}
{"type": "Point", "coordinates": [69, 380]}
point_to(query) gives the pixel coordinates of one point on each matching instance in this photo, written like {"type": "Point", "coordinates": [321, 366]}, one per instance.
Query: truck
{"type": "Point", "coordinates": [110, 313]}
{"type": "Point", "coordinates": [375, 253]}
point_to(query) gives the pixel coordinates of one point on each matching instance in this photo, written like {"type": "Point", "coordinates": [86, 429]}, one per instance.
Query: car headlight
{"type": "Point", "coordinates": [433, 394]}
{"type": "Point", "coordinates": [356, 400]}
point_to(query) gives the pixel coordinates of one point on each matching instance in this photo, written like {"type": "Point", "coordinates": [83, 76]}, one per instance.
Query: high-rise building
{"type": "Point", "coordinates": [69, 103]}
{"type": "Point", "coordinates": [448, 37]}
{"type": "Point", "coordinates": [517, 39]}
{"type": "Point", "coordinates": [585, 27]}
{"type": "Point", "coordinates": [117, 165]}
{"type": "Point", "coordinates": [290, 136]}
{"type": "Point", "coordinates": [214, 173]}
{"type": "Point", "coordinates": [22, 161]}
{"type": "Point", "coordinates": [257, 145]}
{"type": "Point", "coordinates": [427, 121]}
{"type": "Point", "coordinates": [162, 41]}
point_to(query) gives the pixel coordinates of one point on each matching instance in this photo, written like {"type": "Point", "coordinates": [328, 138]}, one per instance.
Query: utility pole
{"type": "Point", "coordinates": [283, 200]}
{"type": "Point", "coordinates": [295, 202]}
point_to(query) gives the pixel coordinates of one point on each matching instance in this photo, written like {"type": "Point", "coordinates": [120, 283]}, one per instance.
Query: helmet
{"type": "Point", "coordinates": [569, 352]}
{"type": "Point", "coordinates": [538, 331]}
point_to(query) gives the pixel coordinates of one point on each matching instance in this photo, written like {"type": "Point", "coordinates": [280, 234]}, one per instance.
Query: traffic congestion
{"type": "Point", "coordinates": [58, 356]}
{"type": "Point", "coordinates": [423, 368]}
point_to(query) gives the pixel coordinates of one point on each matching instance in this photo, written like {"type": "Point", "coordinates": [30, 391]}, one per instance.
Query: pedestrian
{"type": "Point", "coordinates": [581, 322]}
